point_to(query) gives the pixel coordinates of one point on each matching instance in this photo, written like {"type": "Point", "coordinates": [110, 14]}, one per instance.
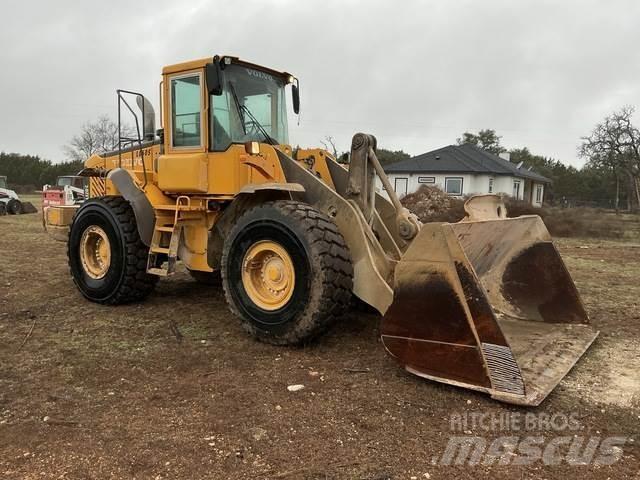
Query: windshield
{"type": "Point", "coordinates": [64, 181]}
{"type": "Point", "coordinates": [3, 182]}
{"type": "Point", "coordinates": [252, 107]}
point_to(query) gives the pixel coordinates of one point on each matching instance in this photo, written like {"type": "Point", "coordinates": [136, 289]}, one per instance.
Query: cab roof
{"type": "Point", "coordinates": [201, 63]}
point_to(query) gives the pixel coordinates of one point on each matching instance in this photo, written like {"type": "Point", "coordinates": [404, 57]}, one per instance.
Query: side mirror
{"type": "Point", "coordinates": [295, 93]}
{"type": "Point", "coordinates": [213, 73]}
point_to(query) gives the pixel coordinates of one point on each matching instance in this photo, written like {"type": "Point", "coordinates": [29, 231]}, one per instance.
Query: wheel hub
{"type": "Point", "coordinates": [268, 275]}
{"type": "Point", "coordinates": [95, 252]}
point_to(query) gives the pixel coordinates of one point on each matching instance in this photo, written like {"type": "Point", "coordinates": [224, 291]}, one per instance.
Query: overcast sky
{"type": "Point", "coordinates": [414, 73]}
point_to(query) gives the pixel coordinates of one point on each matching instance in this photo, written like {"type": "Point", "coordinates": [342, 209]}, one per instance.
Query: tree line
{"type": "Point", "coordinates": [609, 177]}
{"type": "Point", "coordinates": [33, 171]}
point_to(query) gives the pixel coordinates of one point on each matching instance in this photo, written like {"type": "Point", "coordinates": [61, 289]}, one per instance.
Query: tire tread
{"type": "Point", "coordinates": [137, 284]}
{"type": "Point", "coordinates": [330, 258]}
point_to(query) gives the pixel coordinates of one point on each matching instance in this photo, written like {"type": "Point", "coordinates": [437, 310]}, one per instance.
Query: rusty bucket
{"type": "Point", "coordinates": [487, 304]}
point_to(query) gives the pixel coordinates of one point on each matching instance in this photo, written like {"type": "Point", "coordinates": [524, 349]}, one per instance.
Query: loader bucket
{"type": "Point", "coordinates": [487, 305]}
{"type": "Point", "coordinates": [28, 207]}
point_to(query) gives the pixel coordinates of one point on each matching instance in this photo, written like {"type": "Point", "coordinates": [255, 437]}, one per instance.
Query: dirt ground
{"type": "Point", "coordinates": [173, 387]}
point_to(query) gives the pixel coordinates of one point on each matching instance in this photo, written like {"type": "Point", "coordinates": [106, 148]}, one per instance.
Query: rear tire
{"type": "Point", "coordinates": [124, 276]}
{"type": "Point", "coordinates": [14, 207]}
{"type": "Point", "coordinates": [314, 251]}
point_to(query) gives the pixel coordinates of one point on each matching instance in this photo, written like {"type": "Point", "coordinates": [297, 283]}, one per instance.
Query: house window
{"type": "Point", "coordinates": [539, 191]}
{"type": "Point", "coordinates": [516, 189]}
{"type": "Point", "coordinates": [453, 185]}
{"type": "Point", "coordinates": [426, 179]}
{"type": "Point", "coordinates": [491, 185]}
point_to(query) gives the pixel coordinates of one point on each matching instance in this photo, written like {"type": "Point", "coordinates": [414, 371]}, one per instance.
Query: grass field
{"type": "Point", "coordinates": [174, 388]}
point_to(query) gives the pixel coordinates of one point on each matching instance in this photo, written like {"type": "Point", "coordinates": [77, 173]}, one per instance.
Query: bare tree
{"type": "Point", "coordinates": [615, 144]}
{"type": "Point", "coordinates": [329, 145]}
{"type": "Point", "coordinates": [94, 137]}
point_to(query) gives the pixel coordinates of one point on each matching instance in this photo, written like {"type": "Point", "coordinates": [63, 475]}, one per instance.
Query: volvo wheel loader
{"type": "Point", "coordinates": [486, 303]}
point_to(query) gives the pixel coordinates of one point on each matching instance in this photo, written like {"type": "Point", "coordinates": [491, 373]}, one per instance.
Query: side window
{"type": "Point", "coordinates": [185, 111]}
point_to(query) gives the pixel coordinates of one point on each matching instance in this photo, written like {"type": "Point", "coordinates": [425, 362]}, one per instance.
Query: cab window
{"type": "Point", "coordinates": [252, 107]}
{"type": "Point", "coordinates": [185, 111]}
{"type": "Point", "coordinates": [222, 116]}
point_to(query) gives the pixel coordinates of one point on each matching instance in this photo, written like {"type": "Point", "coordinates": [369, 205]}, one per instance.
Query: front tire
{"type": "Point", "coordinates": [286, 272]}
{"type": "Point", "coordinates": [107, 258]}
{"type": "Point", "coordinates": [14, 207]}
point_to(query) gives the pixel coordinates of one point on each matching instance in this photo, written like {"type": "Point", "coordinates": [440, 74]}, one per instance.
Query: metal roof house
{"type": "Point", "coordinates": [464, 170]}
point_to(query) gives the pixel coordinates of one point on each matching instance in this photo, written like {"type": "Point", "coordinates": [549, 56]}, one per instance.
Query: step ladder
{"type": "Point", "coordinates": [167, 232]}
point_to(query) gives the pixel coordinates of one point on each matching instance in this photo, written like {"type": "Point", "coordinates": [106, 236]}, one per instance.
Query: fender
{"type": "Point", "coordinates": [142, 208]}
{"type": "Point", "coordinates": [249, 196]}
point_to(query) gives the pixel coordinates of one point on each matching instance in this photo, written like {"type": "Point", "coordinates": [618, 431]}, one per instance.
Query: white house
{"type": "Point", "coordinates": [464, 170]}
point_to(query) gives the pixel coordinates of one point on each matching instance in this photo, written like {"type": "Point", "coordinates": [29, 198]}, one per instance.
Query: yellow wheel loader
{"type": "Point", "coordinates": [486, 303]}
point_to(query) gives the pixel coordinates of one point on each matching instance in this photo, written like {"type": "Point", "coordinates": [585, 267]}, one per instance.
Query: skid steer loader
{"type": "Point", "coordinates": [10, 203]}
{"type": "Point", "coordinates": [486, 303]}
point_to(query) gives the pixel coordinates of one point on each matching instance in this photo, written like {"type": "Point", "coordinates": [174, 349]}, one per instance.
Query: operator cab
{"type": "Point", "coordinates": [72, 181]}
{"type": "Point", "coordinates": [224, 102]}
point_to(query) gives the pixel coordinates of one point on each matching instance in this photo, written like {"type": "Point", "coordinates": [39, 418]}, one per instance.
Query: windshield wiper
{"type": "Point", "coordinates": [255, 121]}
{"type": "Point", "coordinates": [238, 106]}
{"type": "Point", "coordinates": [242, 109]}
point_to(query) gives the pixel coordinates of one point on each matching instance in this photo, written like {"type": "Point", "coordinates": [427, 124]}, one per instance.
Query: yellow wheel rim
{"type": "Point", "coordinates": [268, 275]}
{"type": "Point", "coordinates": [95, 252]}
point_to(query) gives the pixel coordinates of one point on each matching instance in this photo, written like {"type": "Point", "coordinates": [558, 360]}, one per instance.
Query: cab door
{"type": "Point", "coordinates": [184, 166]}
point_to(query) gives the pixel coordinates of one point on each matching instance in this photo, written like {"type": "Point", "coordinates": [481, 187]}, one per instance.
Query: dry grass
{"type": "Point", "coordinates": [591, 222]}
{"type": "Point", "coordinates": [216, 404]}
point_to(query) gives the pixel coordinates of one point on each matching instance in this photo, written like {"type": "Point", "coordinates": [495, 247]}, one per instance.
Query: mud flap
{"type": "Point", "coordinates": [487, 305]}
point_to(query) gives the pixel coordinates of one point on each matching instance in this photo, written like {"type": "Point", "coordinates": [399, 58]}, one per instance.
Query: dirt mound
{"type": "Point", "coordinates": [431, 204]}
